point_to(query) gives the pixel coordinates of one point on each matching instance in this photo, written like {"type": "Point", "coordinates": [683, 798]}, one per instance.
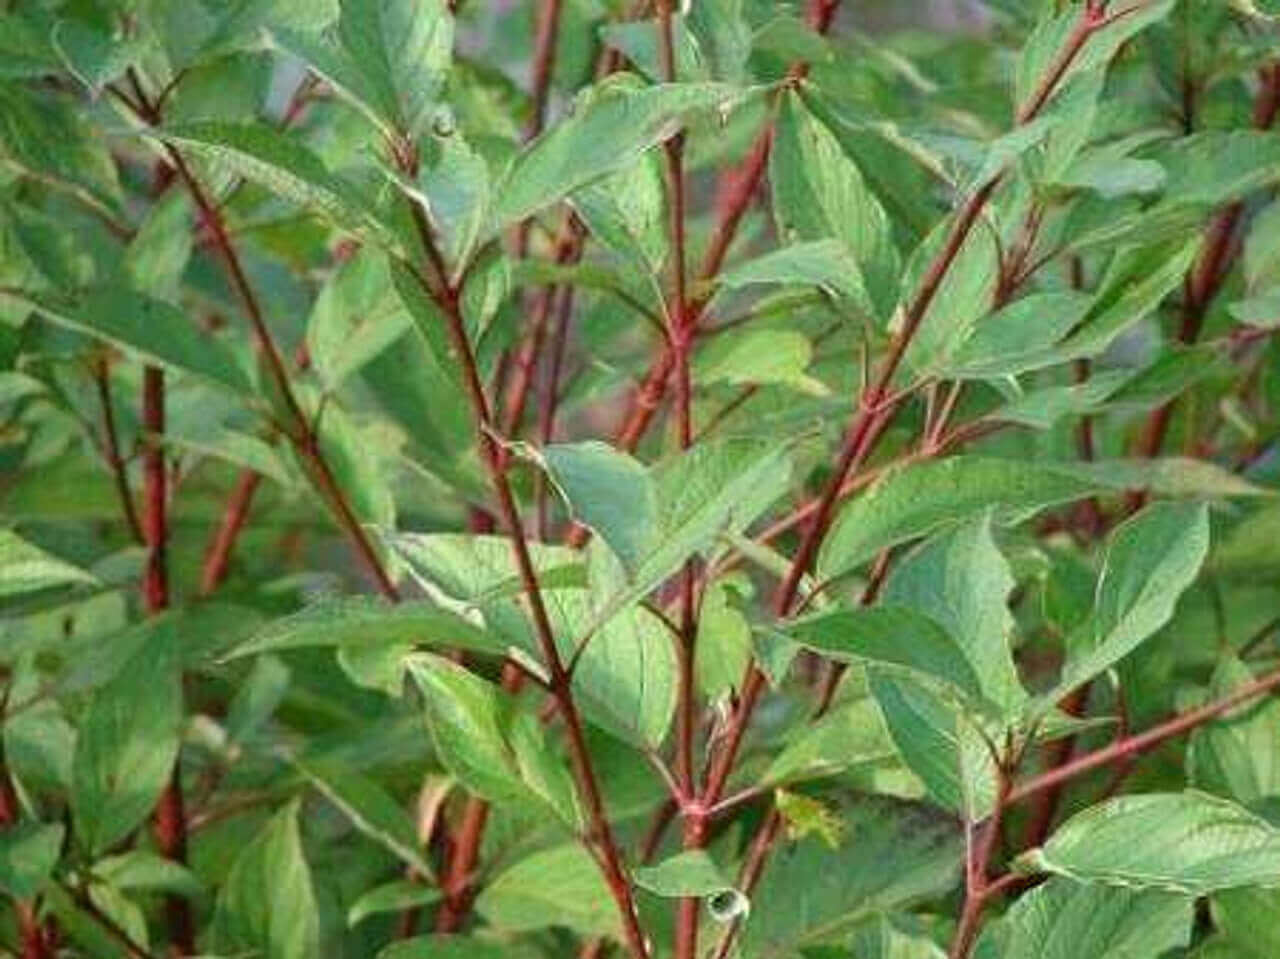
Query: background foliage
{"type": "Point", "coordinates": [573, 477]}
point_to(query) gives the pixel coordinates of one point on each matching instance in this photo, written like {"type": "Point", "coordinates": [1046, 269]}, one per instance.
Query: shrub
{"type": "Point", "coordinates": [564, 478]}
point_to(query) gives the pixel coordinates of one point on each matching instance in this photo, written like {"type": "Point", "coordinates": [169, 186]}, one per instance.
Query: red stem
{"type": "Point", "coordinates": [1143, 742]}
{"type": "Point", "coordinates": [600, 839]}
{"type": "Point", "coordinates": [169, 821]}
{"type": "Point", "coordinates": [1205, 278]}
{"type": "Point", "coordinates": [218, 557]}
{"type": "Point", "coordinates": [978, 889]}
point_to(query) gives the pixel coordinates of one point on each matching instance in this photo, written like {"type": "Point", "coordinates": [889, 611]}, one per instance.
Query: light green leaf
{"type": "Point", "coordinates": [825, 264]}
{"type": "Point", "coordinates": [819, 193]}
{"type": "Point", "coordinates": [851, 735]}
{"type": "Point", "coordinates": [267, 905]}
{"type": "Point", "coordinates": [1063, 919]}
{"type": "Point", "coordinates": [960, 580]}
{"type": "Point", "coordinates": [965, 294]}
{"type": "Point", "coordinates": [159, 251]}
{"type": "Point", "coordinates": [1219, 166]}
{"type": "Point", "coordinates": [48, 139]}
{"type": "Point", "coordinates": [1016, 339]}
{"type": "Point", "coordinates": [388, 58]}
{"type": "Point", "coordinates": [1234, 755]}
{"type": "Point", "coordinates": [880, 938]}
{"type": "Point", "coordinates": [155, 330]}
{"type": "Point", "coordinates": [626, 678]}
{"type": "Point", "coordinates": [609, 491]}
{"type": "Point", "coordinates": [1151, 559]}
{"type": "Point", "coordinates": [356, 316]}
{"type": "Point", "coordinates": [758, 357]}
{"type": "Point", "coordinates": [939, 742]}
{"type": "Point", "coordinates": [712, 489]}
{"type": "Point", "coordinates": [561, 886]}
{"type": "Point", "coordinates": [26, 568]}
{"type": "Point", "coordinates": [394, 896]}
{"type": "Point", "coordinates": [1052, 36]}
{"type": "Point", "coordinates": [891, 637]}
{"type": "Point", "coordinates": [609, 127]}
{"type": "Point", "coordinates": [128, 741]}
{"type": "Point", "coordinates": [689, 873]}
{"type": "Point", "coordinates": [140, 869]}
{"type": "Point", "coordinates": [369, 808]}
{"type": "Point", "coordinates": [1249, 918]}
{"type": "Point", "coordinates": [92, 55]}
{"type": "Point", "coordinates": [1188, 842]}
{"type": "Point", "coordinates": [918, 499]}
{"type": "Point", "coordinates": [481, 736]}
{"type": "Point", "coordinates": [367, 620]}
{"type": "Point", "coordinates": [28, 853]}
{"type": "Point", "coordinates": [282, 164]}
{"type": "Point", "coordinates": [446, 947]}
{"type": "Point", "coordinates": [892, 855]}
{"type": "Point", "coordinates": [627, 211]}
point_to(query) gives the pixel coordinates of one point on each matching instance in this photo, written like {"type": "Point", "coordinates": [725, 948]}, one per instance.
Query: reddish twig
{"type": "Point", "coordinates": [1207, 274]}
{"type": "Point", "coordinates": [1142, 742]}
{"type": "Point", "coordinates": [600, 840]}
{"type": "Point", "coordinates": [218, 557]}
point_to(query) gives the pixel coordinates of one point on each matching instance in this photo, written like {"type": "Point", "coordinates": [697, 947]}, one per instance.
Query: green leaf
{"type": "Point", "coordinates": [1218, 166]}
{"type": "Point", "coordinates": [610, 125]}
{"type": "Point", "coordinates": [892, 856]}
{"type": "Point", "coordinates": [758, 357]}
{"type": "Point", "coordinates": [26, 568]}
{"type": "Point", "coordinates": [713, 489]}
{"type": "Point", "coordinates": [851, 735]}
{"type": "Point", "coordinates": [1063, 919]}
{"type": "Point", "coordinates": [445, 947]}
{"type": "Point", "coordinates": [47, 139]}
{"type": "Point", "coordinates": [561, 886]}
{"type": "Point", "coordinates": [819, 194]}
{"type": "Point", "coordinates": [961, 581]}
{"type": "Point", "coordinates": [92, 55]}
{"type": "Point", "coordinates": [939, 742]}
{"type": "Point", "coordinates": [889, 637]}
{"type": "Point", "coordinates": [1188, 842]}
{"type": "Point", "coordinates": [395, 896]}
{"type": "Point", "coordinates": [689, 873]}
{"type": "Point", "coordinates": [880, 938]}
{"type": "Point", "coordinates": [155, 330]}
{"type": "Point", "coordinates": [280, 163]}
{"type": "Point", "coordinates": [626, 678]}
{"type": "Point", "coordinates": [140, 869]}
{"type": "Point", "coordinates": [965, 294]}
{"type": "Point", "coordinates": [266, 904]}
{"type": "Point", "coordinates": [919, 499]}
{"type": "Point", "coordinates": [609, 491]}
{"type": "Point", "coordinates": [159, 251]}
{"type": "Point", "coordinates": [356, 316]}
{"type": "Point", "coordinates": [1233, 756]}
{"type": "Point", "coordinates": [1018, 337]}
{"type": "Point", "coordinates": [369, 808]}
{"type": "Point", "coordinates": [1041, 51]}
{"type": "Point", "coordinates": [128, 742]}
{"type": "Point", "coordinates": [388, 58]}
{"type": "Point", "coordinates": [1249, 918]}
{"type": "Point", "coordinates": [28, 853]}
{"type": "Point", "coordinates": [627, 211]}
{"type": "Point", "coordinates": [1151, 559]}
{"type": "Point", "coordinates": [481, 736]}
{"type": "Point", "coordinates": [825, 264]}
{"type": "Point", "coordinates": [368, 621]}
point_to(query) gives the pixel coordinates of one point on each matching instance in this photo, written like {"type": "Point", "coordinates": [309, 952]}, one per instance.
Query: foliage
{"type": "Point", "coordinates": [570, 477]}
